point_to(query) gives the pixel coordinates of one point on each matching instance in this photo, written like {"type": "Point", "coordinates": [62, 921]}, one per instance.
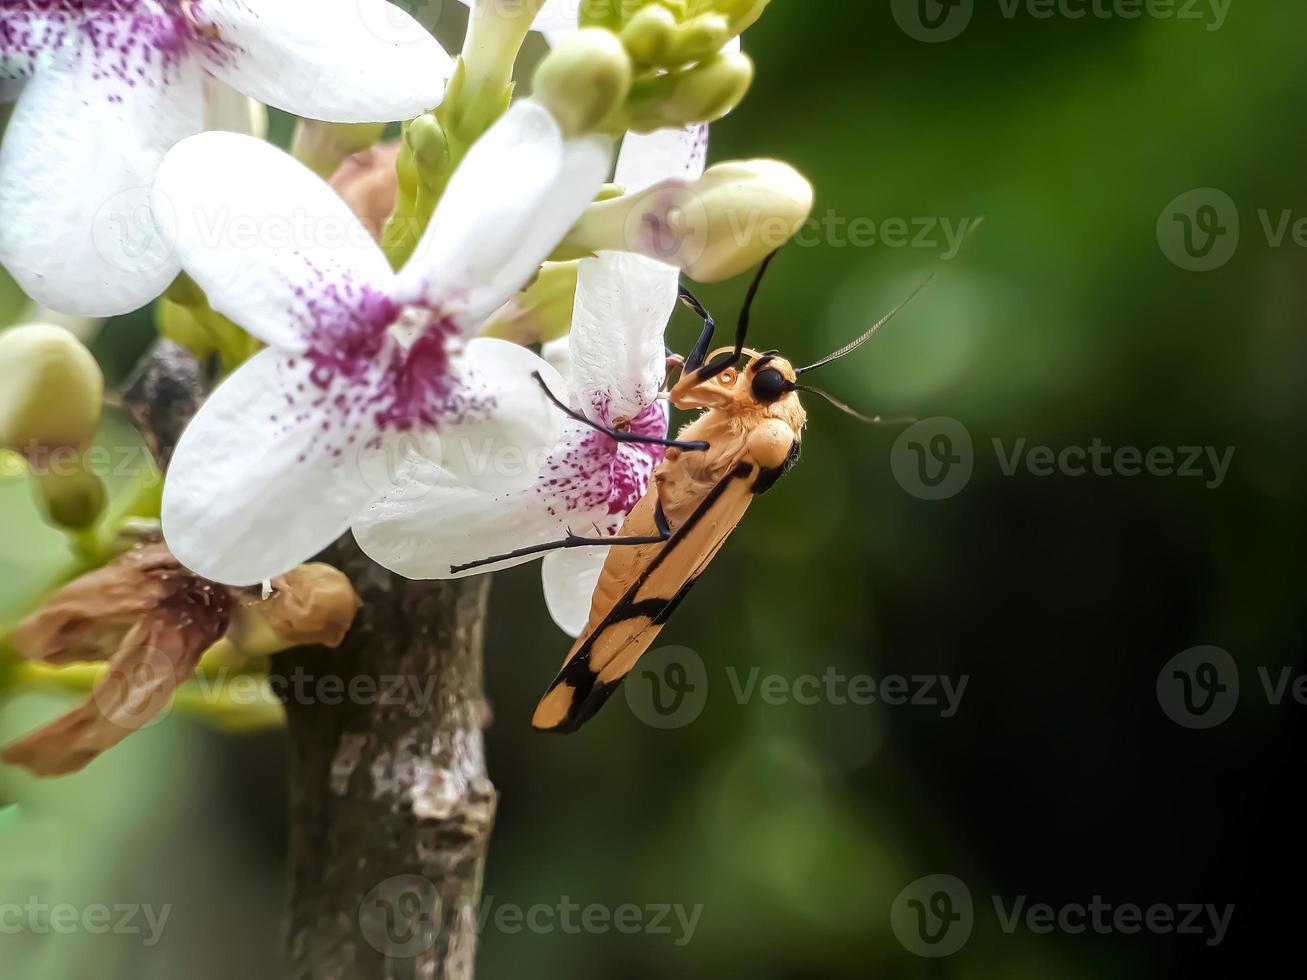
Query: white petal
{"type": "Point", "coordinates": [430, 522]}
{"type": "Point", "coordinates": [29, 37]}
{"type": "Point", "coordinates": [646, 160]}
{"type": "Point", "coordinates": [267, 474]}
{"type": "Point", "coordinates": [504, 447]}
{"type": "Point", "coordinates": [75, 170]}
{"type": "Point", "coordinates": [569, 579]}
{"type": "Point", "coordinates": [510, 202]}
{"type": "Point", "coordinates": [618, 356]}
{"type": "Point", "coordinates": [336, 60]}
{"type": "Point", "coordinates": [559, 354]}
{"type": "Point", "coordinates": [266, 239]}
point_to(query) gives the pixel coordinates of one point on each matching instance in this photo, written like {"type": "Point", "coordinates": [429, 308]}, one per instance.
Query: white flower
{"type": "Point", "coordinates": [616, 362]}
{"type": "Point", "coordinates": [105, 87]}
{"type": "Point", "coordinates": [367, 368]}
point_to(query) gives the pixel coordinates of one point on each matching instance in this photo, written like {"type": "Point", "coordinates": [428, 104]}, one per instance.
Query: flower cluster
{"type": "Point", "coordinates": [378, 331]}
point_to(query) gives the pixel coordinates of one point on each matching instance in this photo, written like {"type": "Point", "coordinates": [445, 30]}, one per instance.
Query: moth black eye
{"type": "Point", "coordinates": [769, 386]}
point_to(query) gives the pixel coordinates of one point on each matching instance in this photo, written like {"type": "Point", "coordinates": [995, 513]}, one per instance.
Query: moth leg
{"type": "Point", "coordinates": [576, 541]}
{"type": "Point", "coordinates": [628, 437]}
{"type": "Point", "coordinates": [704, 343]}
{"type": "Point", "coordinates": [702, 372]}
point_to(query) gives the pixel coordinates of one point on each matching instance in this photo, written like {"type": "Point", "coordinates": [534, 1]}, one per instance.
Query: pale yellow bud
{"type": "Point", "coordinates": [51, 389]}
{"type": "Point", "coordinates": [704, 93]}
{"type": "Point", "coordinates": [584, 79]}
{"type": "Point", "coordinates": [714, 228]}
{"type": "Point", "coordinates": [649, 34]}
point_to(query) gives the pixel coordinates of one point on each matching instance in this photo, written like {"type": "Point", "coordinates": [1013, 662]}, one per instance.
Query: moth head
{"type": "Point", "coordinates": [771, 378]}
{"type": "Point", "coordinates": [764, 380]}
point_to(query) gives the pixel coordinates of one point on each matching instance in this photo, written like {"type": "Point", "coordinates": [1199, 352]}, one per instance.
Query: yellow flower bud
{"type": "Point", "coordinates": [697, 40]}
{"type": "Point", "coordinates": [50, 389]}
{"type": "Point", "coordinates": [584, 79]}
{"type": "Point", "coordinates": [649, 34]}
{"type": "Point", "coordinates": [713, 228]}
{"type": "Point", "coordinates": [704, 93]}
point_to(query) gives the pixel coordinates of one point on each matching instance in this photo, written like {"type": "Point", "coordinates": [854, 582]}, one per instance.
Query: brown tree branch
{"type": "Point", "coordinates": [391, 808]}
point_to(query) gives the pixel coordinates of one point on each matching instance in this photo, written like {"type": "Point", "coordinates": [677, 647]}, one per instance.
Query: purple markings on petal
{"type": "Point", "coordinates": [344, 321]}
{"type": "Point", "coordinates": [131, 43]}
{"type": "Point", "coordinates": [597, 475]}
{"type": "Point", "coordinates": [357, 375]}
{"type": "Point", "coordinates": [698, 158]}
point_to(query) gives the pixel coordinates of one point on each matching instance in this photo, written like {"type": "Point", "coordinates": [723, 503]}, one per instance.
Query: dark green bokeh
{"type": "Point", "coordinates": [1060, 598]}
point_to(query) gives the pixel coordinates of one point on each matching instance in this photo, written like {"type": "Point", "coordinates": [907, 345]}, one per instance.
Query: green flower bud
{"type": "Point", "coordinates": [704, 93]}
{"type": "Point", "coordinates": [543, 311]}
{"type": "Point", "coordinates": [713, 228]}
{"type": "Point", "coordinates": [68, 494]}
{"type": "Point", "coordinates": [324, 146]}
{"type": "Point", "coordinates": [649, 34]}
{"type": "Point", "coordinates": [50, 389]}
{"type": "Point", "coordinates": [426, 141]}
{"type": "Point", "coordinates": [698, 40]}
{"type": "Point", "coordinates": [584, 79]}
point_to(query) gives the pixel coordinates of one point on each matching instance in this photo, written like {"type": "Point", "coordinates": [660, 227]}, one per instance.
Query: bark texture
{"type": "Point", "coordinates": [391, 808]}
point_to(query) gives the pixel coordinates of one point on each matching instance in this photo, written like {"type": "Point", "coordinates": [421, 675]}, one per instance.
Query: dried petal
{"type": "Point", "coordinates": [311, 605]}
{"type": "Point", "coordinates": [177, 616]}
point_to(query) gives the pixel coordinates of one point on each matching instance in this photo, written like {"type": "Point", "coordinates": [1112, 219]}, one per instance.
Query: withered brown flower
{"type": "Point", "coordinates": [152, 620]}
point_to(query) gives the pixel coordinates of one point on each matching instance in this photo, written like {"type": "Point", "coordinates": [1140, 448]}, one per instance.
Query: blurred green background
{"type": "Point", "coordinates": [1059, 598]}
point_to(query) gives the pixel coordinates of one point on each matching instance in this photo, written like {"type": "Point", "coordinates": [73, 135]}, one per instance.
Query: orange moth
{"type": "Point", "coordinates": [747, 437]}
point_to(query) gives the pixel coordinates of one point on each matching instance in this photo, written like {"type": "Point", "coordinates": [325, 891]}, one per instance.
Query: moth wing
{"type": "Point", "coordinates": [648, 582]}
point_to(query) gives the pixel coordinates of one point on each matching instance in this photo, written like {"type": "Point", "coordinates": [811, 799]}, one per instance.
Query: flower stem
{"type": "Point", "coordinates": [478, 93]}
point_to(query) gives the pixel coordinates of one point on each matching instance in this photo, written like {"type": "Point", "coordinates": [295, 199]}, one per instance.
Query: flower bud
{"type": "Point", "coordinates": [713, 228]}
{"type": "Point", "coordinates": [50, 389]}
{"type": "Point", "coordinates": [697, 40]}
{"type": "Point", "coordinates": [311, 605]}
{"type": "Point", "coordinates": [741, 13]}
{"type": "Point", "coordinates": [324, 146]}
{"type": "Point", "coordinates": [68, 494]}
{"type": "Point", "coordinates": [649, 34]}
{"type": "Point", "coordinates": [543, 311]}
{"type": "Point", "coordinates": [704, 93]}
{"type": "Point", "coordinates": [584, 79]}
